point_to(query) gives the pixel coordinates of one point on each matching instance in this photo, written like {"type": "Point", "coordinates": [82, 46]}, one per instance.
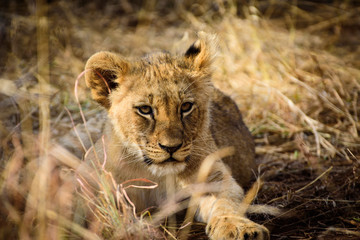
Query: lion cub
{"type": "Point", "coordinates": [165, 117]}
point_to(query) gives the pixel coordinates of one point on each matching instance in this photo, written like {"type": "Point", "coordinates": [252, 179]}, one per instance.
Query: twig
{"type": "Point", "coordinates": [303, 188]}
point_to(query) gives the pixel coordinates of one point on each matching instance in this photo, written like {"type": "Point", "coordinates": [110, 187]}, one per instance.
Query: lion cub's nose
{"type": "Point", "coordinates": [170, 149]}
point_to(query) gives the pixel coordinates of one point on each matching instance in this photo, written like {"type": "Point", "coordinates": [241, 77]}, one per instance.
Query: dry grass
{"type": "Point", "coordinates": [292, 68]}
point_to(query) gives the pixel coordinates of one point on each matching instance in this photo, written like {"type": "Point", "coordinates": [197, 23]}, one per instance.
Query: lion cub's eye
{"type": "Point", "coordinates": [145, 110]}
{"type": "Point", "coordinates": [186, 107]}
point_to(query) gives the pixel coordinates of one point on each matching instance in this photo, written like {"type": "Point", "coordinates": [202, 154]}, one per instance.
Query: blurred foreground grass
{"type": "Point", "coordinates": [292, 66]}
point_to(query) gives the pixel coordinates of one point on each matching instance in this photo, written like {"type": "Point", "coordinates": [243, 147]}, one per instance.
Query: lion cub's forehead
{"type": "Point", "coordinates": [160, 78]}
{"type": "Point", "coordinates": [161, 67]}
{"type": "Point", "coordinates": [165, 90]}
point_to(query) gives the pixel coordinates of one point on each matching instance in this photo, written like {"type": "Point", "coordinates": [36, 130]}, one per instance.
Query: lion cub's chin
{"type": "Point", "coordinates": [167, 168]}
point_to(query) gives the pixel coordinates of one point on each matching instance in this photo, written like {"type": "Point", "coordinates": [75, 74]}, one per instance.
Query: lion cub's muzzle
{"type": "Point", "coordinates": [169, 149]}
{"type": "Point", "coordinates": [170, 145]}
{"type": "Point", "coordinates": [167, 154]}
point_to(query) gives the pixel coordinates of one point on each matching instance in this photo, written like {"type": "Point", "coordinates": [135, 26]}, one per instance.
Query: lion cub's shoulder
{"type": "Point", "coordinates": [228, 129]}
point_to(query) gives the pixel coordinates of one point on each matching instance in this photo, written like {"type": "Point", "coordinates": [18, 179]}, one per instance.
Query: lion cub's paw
{"type": "Point", "coordinates": [232, 227]}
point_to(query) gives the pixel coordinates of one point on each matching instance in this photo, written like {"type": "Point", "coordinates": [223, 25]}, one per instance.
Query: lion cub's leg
{"type": "Point", "coordinates": [225, 215]}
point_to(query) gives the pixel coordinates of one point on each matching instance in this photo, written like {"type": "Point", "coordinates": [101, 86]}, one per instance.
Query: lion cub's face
{"type": "Point", "coordinates": [158, 105]}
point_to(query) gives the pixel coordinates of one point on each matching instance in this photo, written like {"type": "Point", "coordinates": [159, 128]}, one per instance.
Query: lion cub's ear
{"type": "Point", "coordinates": [104, 71]}
{"type": "Point", "coordinates": [202, 53]}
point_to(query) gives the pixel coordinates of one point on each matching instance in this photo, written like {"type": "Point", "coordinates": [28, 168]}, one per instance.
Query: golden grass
{"type": "Point", "coordinates": [293, 70]}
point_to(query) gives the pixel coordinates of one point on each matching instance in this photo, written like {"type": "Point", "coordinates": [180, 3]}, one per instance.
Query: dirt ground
{"type": "Point", "coordinates": [293, 67]}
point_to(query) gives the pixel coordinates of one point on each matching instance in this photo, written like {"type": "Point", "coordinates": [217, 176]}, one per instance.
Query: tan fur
{"type": "Point", "coordinates": [169, 141]}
